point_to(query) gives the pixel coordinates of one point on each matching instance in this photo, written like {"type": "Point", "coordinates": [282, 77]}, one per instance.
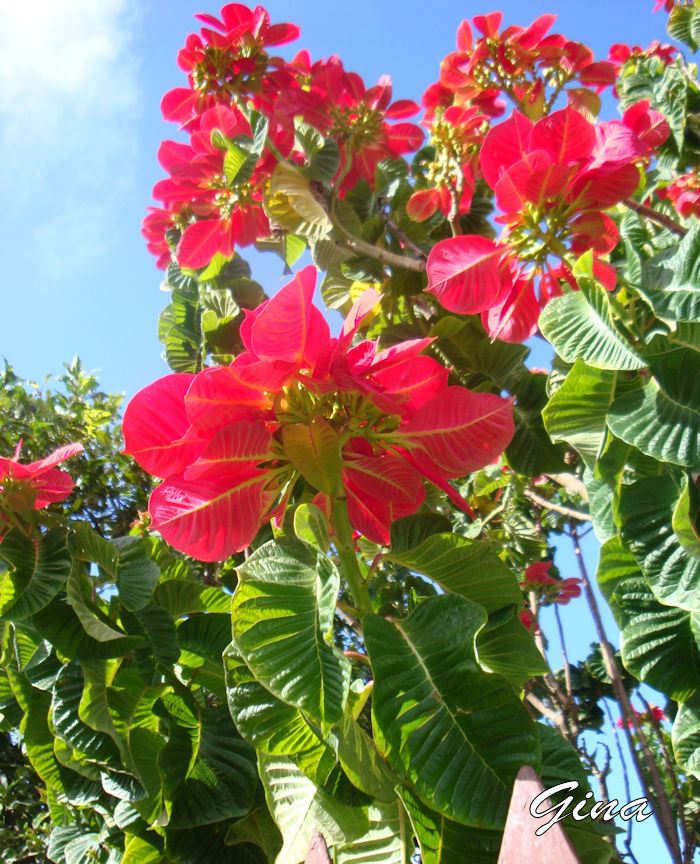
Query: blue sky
{"type": "Point", "coordinates": [80, 124]}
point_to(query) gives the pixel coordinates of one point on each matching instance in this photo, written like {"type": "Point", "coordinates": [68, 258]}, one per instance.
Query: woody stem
{"type": "Point", "coordinates": [345, 547]}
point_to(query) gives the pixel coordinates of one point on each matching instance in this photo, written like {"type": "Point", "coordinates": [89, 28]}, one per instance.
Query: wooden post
{"type": "Point", "coordinates": [520, 843]}
{"type": "Point", "coordinates": [318, 851]}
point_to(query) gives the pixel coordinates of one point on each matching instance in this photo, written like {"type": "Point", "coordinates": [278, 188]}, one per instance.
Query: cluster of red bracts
{"type": "Point", "coordinates": [229, 71]}
{"type": "Point", "coordinates": [552, 180]}
{"type": "Point", "coordinates": [353, 421]}
{"type": "Point", "coordinates": [34, 485]}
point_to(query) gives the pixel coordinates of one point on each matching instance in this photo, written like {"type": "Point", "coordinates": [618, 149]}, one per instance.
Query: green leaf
{"type": "Point", "coordinates": [311, 527]}
{"type": "Point", "coordinates": [137, 575]}
{"type": "Point", "coordinates": [410, 531]}
{"type": "Point", "coordinates": [294, 248]}
{"type": "Point", "coordinates": [314, 450]}
{"type": "Point", "coordinates": [360, 760]}
{"type": "Point", "coordinates": [663, 418]}
{"type": "Point", "coordinates": [282, 615]}
{"type": "Point", "coordinates": [291, 202]}
{"type": "Point", "coordinates": [465, 567]}
{"type": "Point", "coordinates": [531, 450]}
{"type": "Point", "coordinates": [388, 840]}
{"type": "Point", "coordinates": [443, 841]}
{"type": "Point", "coordinates": [577, 411]}
{"type": "Point", "coordinates": [142, 850]}
{"type": "Point", "coordinates": [221, 781]}
{"type": "Point", "coordinates": [685, 736]}
{"type": "Point", "coordinates": [656, 641]}
{"type": "Point", "coordinates": [579, 324]}
{"type": "Point", "coordinates": [97, 746]}
{"type": "Point", "coordinates": [181, 597]}
{"type": "Point", "coordinates": [87, 545]}
{"type": "Point", "coordinates": [671, 280]}
{"type": "Point", "coordinates": [96, 624]}
{"type": "Point", "coordinates": [504, 646]}
{"type": "Point", "coordinates": [680, 25]}
{"type": "Point", "coordinates": [325, 162]}
{"type": "Point", "coordinates": [263, 720]}
{"type": "Point", "coordinates": [299, 808]}
{"type": "Point", "coordinates": [59, 624]}
{"type": "Point", "coordinates": [458, 734]}
{"type": "Point", "coordinates": [686, 519]}
{"type": "Point", "coordinates": [259, 828]}
{"type": "Point", "coordinates": [646, 509]}
{"type": "Point", "coordinates": [39, 568]}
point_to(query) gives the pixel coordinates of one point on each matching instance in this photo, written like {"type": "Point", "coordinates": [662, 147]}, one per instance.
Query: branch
{"type": "Point", "coordinates": [383, 255]}
{"type": "Point", "coordinates": [655, 216]}
{"type": "Point", "coordinates": [571, 483]}
{"type": "Point", "coordinates": [557, 508]}
{"type": "Point", "coordinates": [664, 814]}
{"type": "Point", "coordinates": [668, 762]}
{"type": "Point", "coordinates": [389, 222]}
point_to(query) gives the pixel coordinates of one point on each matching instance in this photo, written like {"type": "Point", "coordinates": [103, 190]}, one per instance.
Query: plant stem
{"type": "Point", "coordinates": [557, 508]}
{"type": "Point", "coordinates": [655, 216]}
{"type": "Point", "coordinates": [345, 548]}
{"type": "Point", "coordinates": [384, 255]}
{"type": "Point", "coordinates": [664, 814]}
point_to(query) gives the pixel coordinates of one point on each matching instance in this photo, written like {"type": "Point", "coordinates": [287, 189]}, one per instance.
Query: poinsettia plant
{"type": "Point", "coordinates": [330, 615]}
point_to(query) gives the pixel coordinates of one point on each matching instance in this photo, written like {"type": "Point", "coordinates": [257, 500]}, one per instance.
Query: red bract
{"type": "Point", "coordinates": [360, 119]}
{"type": "Point", "coordinates": [227, 61]}
{"type": "Point", "coordinates": [620, 53]}
{"type": "Point", "coordinates": [456, 135]}
{"type": "Point", "coordinates": [356, 421]}
{"type": "Point", "coordinates": [684, 194]}
{"type": "Point", "coordinates": [226, 212]}
{"type": "Point", "coordinates": [526, 64]}
{"type": "Point", "coordinates": [557, 590]}
{"type": "Point", "coordinates": [36, 484]}
{"type": "Point", "coordinates": [552, 179]}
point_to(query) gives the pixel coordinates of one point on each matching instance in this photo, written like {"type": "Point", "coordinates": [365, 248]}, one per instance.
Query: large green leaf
{"type": "Point", "coordinates": [213, 778]}
{"type": "Point", "coordinates": [506, 647]}
{"type": "Point", "coordinates": [181, 597]}
{"type": "Point", "coordinates": [686, 519]}
{"type": "Point", "coordinates": [686, 736]}
{"type": "Point", "coordinates": [579, 324]}
{"type": "Point", "coordinates": [39, 567]}
{"type": "Point", "coordinates": [465, 567]}
{"type": "Point", "coordinates": [443, 841]}
{"type": "Point", "coordinates": [656, 641]}
{"type": "Point", "coordinates": [97, 746]}
{"type": "Point", "coordinates": [577, 411]}
{"type": "Point", "coordinates": [531, 451]}
{"type": "Point", "coordinates": [266, 722]}
{"type": "Point", "coordinates": [299, 809]}
{"type": "Point", "coordinates": [388, 841]}
{"type": "Point", "coordinates": [646, 510]}
{"type": "Point", "coordinates": [79, 590]}
{"type": "Point", "coordinates": [137, 575]}
{"type": "Point", "coordinates": [663, 419]}
{"type": "Point", "coordinates": [259, 828]}
{"type": "Point", "coordinates": [671, 282]}
{"type": "Point", "coordinates": [282, 616]}
{"type": "Point", "coordinates": [458, 734]}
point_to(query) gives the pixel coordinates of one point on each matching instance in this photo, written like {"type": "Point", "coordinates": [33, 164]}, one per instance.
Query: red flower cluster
{"type": "Point", "coordinates": [527, 64]}
{"type": "Point", "coordinates": [228, 209]}
{"type": "Point", "coordinates": [559, 590]}
{"type": "Point", "coordinates": [552, 180]}
{"type": "Point", "coordinates": [353, 421]}
{"type": "Point", "coordinates": [37, 484]}
{"type": "Point", "coordinates": [656, 713]}
{"type": "Point", "coordinates": [684, 194]}
{"type": "Point", "coordinates": [620, 53]}
{"type": "Point", "coordinates": [230, 72]}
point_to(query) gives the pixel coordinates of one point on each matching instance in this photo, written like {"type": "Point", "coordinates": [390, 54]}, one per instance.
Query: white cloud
{"type": "Point", "coordinates": [69, 105]}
